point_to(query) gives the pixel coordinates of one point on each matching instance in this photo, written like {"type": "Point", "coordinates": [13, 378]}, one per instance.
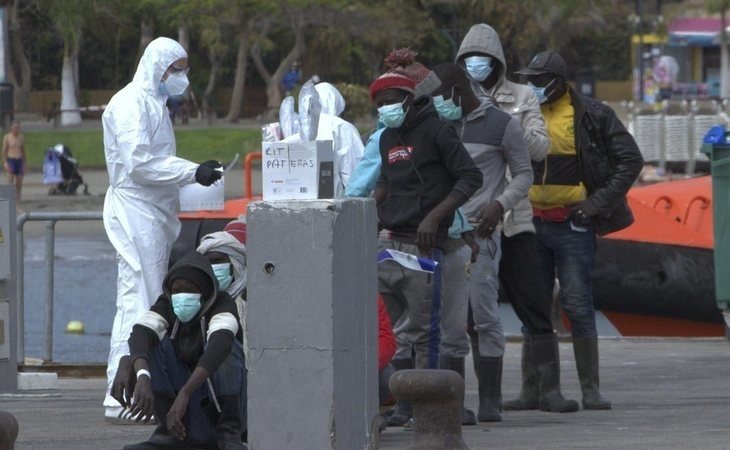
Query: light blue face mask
{"type": "Point", "coordinates": [175, 85]}
{"type": "Point", "coordinates": [186, 305]}
{"type": "Point", "coordinates": [542, 97]}
{"type": "Point", "coordinates": [392, 115]}
{"type": "Point", "coordinates": [223, 273]}
{"type": "Point", "coordinates": [479, 67]}
{"type": "Point", "coordinates": [447, 109]}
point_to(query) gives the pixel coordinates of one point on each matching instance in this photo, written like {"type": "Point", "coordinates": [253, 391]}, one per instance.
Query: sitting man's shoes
{"type": "Point", "coordinates": [118, 415]}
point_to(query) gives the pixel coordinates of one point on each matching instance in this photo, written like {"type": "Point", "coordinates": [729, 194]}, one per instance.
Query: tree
{"type": "Point", "coordinates": [722, 7]}
{"type": "Point", "coordinates": [273, 80]}
{"type": "Point", "coordinates": [18, 70]}
{"type": "Point", "coordinates": [68, 17]}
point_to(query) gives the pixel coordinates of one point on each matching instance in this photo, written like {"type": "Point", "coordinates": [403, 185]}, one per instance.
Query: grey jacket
{"type": "Point", "coordinates": [495, 141]}
{"type": "Point", "coordinates": [518, 101]}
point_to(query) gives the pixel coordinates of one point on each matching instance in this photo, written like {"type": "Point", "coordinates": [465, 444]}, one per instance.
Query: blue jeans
{"type": "Point", "coordinates": [169, 375]}
{"type": "Point", "coordinates": [570, 251]}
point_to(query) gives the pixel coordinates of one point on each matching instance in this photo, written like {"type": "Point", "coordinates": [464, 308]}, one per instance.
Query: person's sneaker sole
{"type": "Point", "coordinates": [125, 418]}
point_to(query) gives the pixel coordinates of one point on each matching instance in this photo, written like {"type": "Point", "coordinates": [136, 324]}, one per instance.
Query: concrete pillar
{"type": "Point", "coordinates": [312, 325]}
{"type": "Point", "coordinates": [8, 297]}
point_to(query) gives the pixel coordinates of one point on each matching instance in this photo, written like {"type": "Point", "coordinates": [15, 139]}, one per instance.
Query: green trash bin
{"type": "Point", "coordinates": [719, 155]}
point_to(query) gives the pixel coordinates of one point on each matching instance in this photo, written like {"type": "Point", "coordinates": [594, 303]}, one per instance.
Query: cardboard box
{"type": "Point", "coordinates": [297, 171]}
{"type": "Point", "coordinates": [194, 197]}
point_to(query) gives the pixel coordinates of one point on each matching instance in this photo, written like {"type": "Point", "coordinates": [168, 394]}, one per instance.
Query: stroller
{"type": "Point", "coordinates": [60, 169]}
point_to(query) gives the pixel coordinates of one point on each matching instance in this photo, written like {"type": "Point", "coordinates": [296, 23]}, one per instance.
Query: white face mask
{"type": "Point", "coordinates": [174, 85]}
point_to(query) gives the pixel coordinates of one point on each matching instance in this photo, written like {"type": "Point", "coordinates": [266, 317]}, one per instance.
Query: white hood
{"type": "Point", "coordinates": [330, 98]}
{"type": "Point", "coordinates": [157, 57]}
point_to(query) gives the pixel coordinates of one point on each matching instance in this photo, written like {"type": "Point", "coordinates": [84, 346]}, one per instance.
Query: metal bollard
{"type": "Point", "coordinates": [436, 397]}
{"type": "Point", "coordinates": [8, 430]}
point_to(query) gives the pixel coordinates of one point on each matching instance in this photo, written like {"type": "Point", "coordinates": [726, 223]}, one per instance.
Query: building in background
{"type": "Point", "coordinates": [695, 44]}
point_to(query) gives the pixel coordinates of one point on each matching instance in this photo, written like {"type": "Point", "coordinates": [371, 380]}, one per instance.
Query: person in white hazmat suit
{"type": "Point", "coordinates": [144, 181]}
{"type": "Point", "coordinates": [345, 138]}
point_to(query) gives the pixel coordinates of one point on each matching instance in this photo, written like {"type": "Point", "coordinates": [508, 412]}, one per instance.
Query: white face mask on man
{"type": "Point", "coordinates": [174, 85]}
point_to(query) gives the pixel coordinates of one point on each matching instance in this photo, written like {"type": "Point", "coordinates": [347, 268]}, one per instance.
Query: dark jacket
{"type": "Point", "coordinates": [206, 339]}
{"type": "Point", "coordinates": [609, 159]}
{"type": "Point", "coordinates": [423, 162]}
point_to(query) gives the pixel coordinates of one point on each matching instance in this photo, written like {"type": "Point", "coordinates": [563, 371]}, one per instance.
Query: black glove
{"type": "Point", "coordinates": [581, 214]}
{"type": "Point", "coordinates": [207, 173]}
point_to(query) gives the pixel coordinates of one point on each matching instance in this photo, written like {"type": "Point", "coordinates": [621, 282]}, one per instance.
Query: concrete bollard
{"type": "Point", "coordinates": [8, 431]}
{"type": "Point", "coordinates": [437, 397]}
{"type": "Point", "coordinates": [312, 325]}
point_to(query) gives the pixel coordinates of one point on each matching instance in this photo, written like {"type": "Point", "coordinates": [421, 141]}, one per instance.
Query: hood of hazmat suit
{"type": "Point", "coordinates": [330, 99]}
{"type": "Point", "coordinates": [142, 201]}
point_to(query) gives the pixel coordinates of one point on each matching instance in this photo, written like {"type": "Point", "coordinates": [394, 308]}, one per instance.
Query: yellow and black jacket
{"type": "Point", "coordinates": [600, 166]}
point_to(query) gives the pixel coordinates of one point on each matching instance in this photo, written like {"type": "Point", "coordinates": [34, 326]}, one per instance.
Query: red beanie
{"type": "Point", "coordinates": [237, 229]}
{"type": "Point", "coordinates": [392, 80]}
{"type": "Point", "coordinates": [405, 60]}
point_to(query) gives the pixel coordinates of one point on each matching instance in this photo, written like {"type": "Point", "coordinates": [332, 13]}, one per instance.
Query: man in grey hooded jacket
{"type": "Point", "coordinates": [482, 56]}
{"type": "Point", "coordinates": [495, 142]}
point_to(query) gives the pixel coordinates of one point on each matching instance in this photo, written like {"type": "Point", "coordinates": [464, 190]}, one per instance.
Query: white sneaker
{"type": "Point", "coordinates": [118, 415]}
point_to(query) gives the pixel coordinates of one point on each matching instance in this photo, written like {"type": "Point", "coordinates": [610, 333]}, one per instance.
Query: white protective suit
{"type": "Point", "coordinates": [346, 139]}
{"type": "Point", "coordinates": [344, 136]}
{"type": "Point", "coordinates": [142, 200]}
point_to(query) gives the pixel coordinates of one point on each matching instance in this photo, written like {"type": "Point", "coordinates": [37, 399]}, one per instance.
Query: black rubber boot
{"type": "Point", "coordinates": [547, 364]}
{"type": "Point", "coordinates": [228, 427]}
{"type": "Point", "coordinates": [161, 439]}
{"type": "Point", "coordinates": [586, 361]}
{"type": "Point", "coordinates": [458, 366]}
{"type": "Point", "coordinates": [403, 411]}
{"type": "Point", "coordinates": [489, 375]}
{"type": "Point", "coordinates": [528, 398]}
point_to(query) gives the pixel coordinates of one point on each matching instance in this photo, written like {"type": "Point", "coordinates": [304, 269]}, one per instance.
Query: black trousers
{"type": "Point", "coordinates": [522, 283]}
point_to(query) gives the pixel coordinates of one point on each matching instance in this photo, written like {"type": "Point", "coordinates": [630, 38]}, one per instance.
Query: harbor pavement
{"type": "Point", "coordinates": [666, 394]}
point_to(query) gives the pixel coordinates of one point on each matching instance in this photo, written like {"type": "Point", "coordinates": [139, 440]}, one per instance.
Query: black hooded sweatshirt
{"type": "Point", "coordinates": [423, 162]}
{"type": "Point", "coordinates": [215, 324]}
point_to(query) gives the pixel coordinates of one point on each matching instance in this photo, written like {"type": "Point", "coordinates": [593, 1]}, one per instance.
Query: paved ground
{"type": "Point", "coordinates": [667, 394]}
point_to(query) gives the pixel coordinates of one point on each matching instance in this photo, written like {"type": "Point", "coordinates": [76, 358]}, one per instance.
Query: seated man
{"type": "Point", "coordinates": [186, 363]}
{"type": "Point", "coordinates": [226, 253]}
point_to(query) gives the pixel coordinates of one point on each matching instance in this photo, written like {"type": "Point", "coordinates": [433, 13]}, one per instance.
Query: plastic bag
{"type": "Point", "coordinates": [288, 117]}
{"type": "Point", "coordinates": [52, 173]}
{"type": "Point", "coordinates": [271, 132]}
{"type": "Point", "coordinates": [309, 110]}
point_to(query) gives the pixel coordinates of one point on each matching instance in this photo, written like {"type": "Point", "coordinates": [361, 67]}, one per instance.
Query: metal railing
{"type": "Point", "coordinates": [51, 218]}
{"type": "Point", "coordinates": [673, 131]}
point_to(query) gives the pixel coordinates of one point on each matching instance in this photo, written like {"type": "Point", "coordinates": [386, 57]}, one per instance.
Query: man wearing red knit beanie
{"type": "Point", "coordinates": [426, 174]}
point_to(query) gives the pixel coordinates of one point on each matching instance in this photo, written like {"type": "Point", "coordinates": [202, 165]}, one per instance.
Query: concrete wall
{"type": "Point", "coordinates": [312, 328]}
{"type": "Point", "coordinates": [254, 100]}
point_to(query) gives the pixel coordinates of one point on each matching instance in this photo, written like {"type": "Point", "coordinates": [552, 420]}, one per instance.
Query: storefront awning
{"type": "Point", "coordinates": [695, 32]}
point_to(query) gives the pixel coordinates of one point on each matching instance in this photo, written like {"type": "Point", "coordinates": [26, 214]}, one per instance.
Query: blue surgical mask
{"type": "Point", "coordinates": [539, 92]}
{"type": "Point", "coordinates": [447, 109]}
{"type": "Point", "coordinates": [223, 274]}
{"type": "Point", "coordinates": [392, 115]}
{"type": "Point", "coordinates": [479, 67]}
{"type": "Point", "coordinates": [186, 305]}
{"type": "Point", "coordinates": [542, 97]}
{"type": "Point", "coordinates": [174, 85]}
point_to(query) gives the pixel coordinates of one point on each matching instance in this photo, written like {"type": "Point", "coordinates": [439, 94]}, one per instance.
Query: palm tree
{"type": "Point", "coordinates": [68, 17]}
